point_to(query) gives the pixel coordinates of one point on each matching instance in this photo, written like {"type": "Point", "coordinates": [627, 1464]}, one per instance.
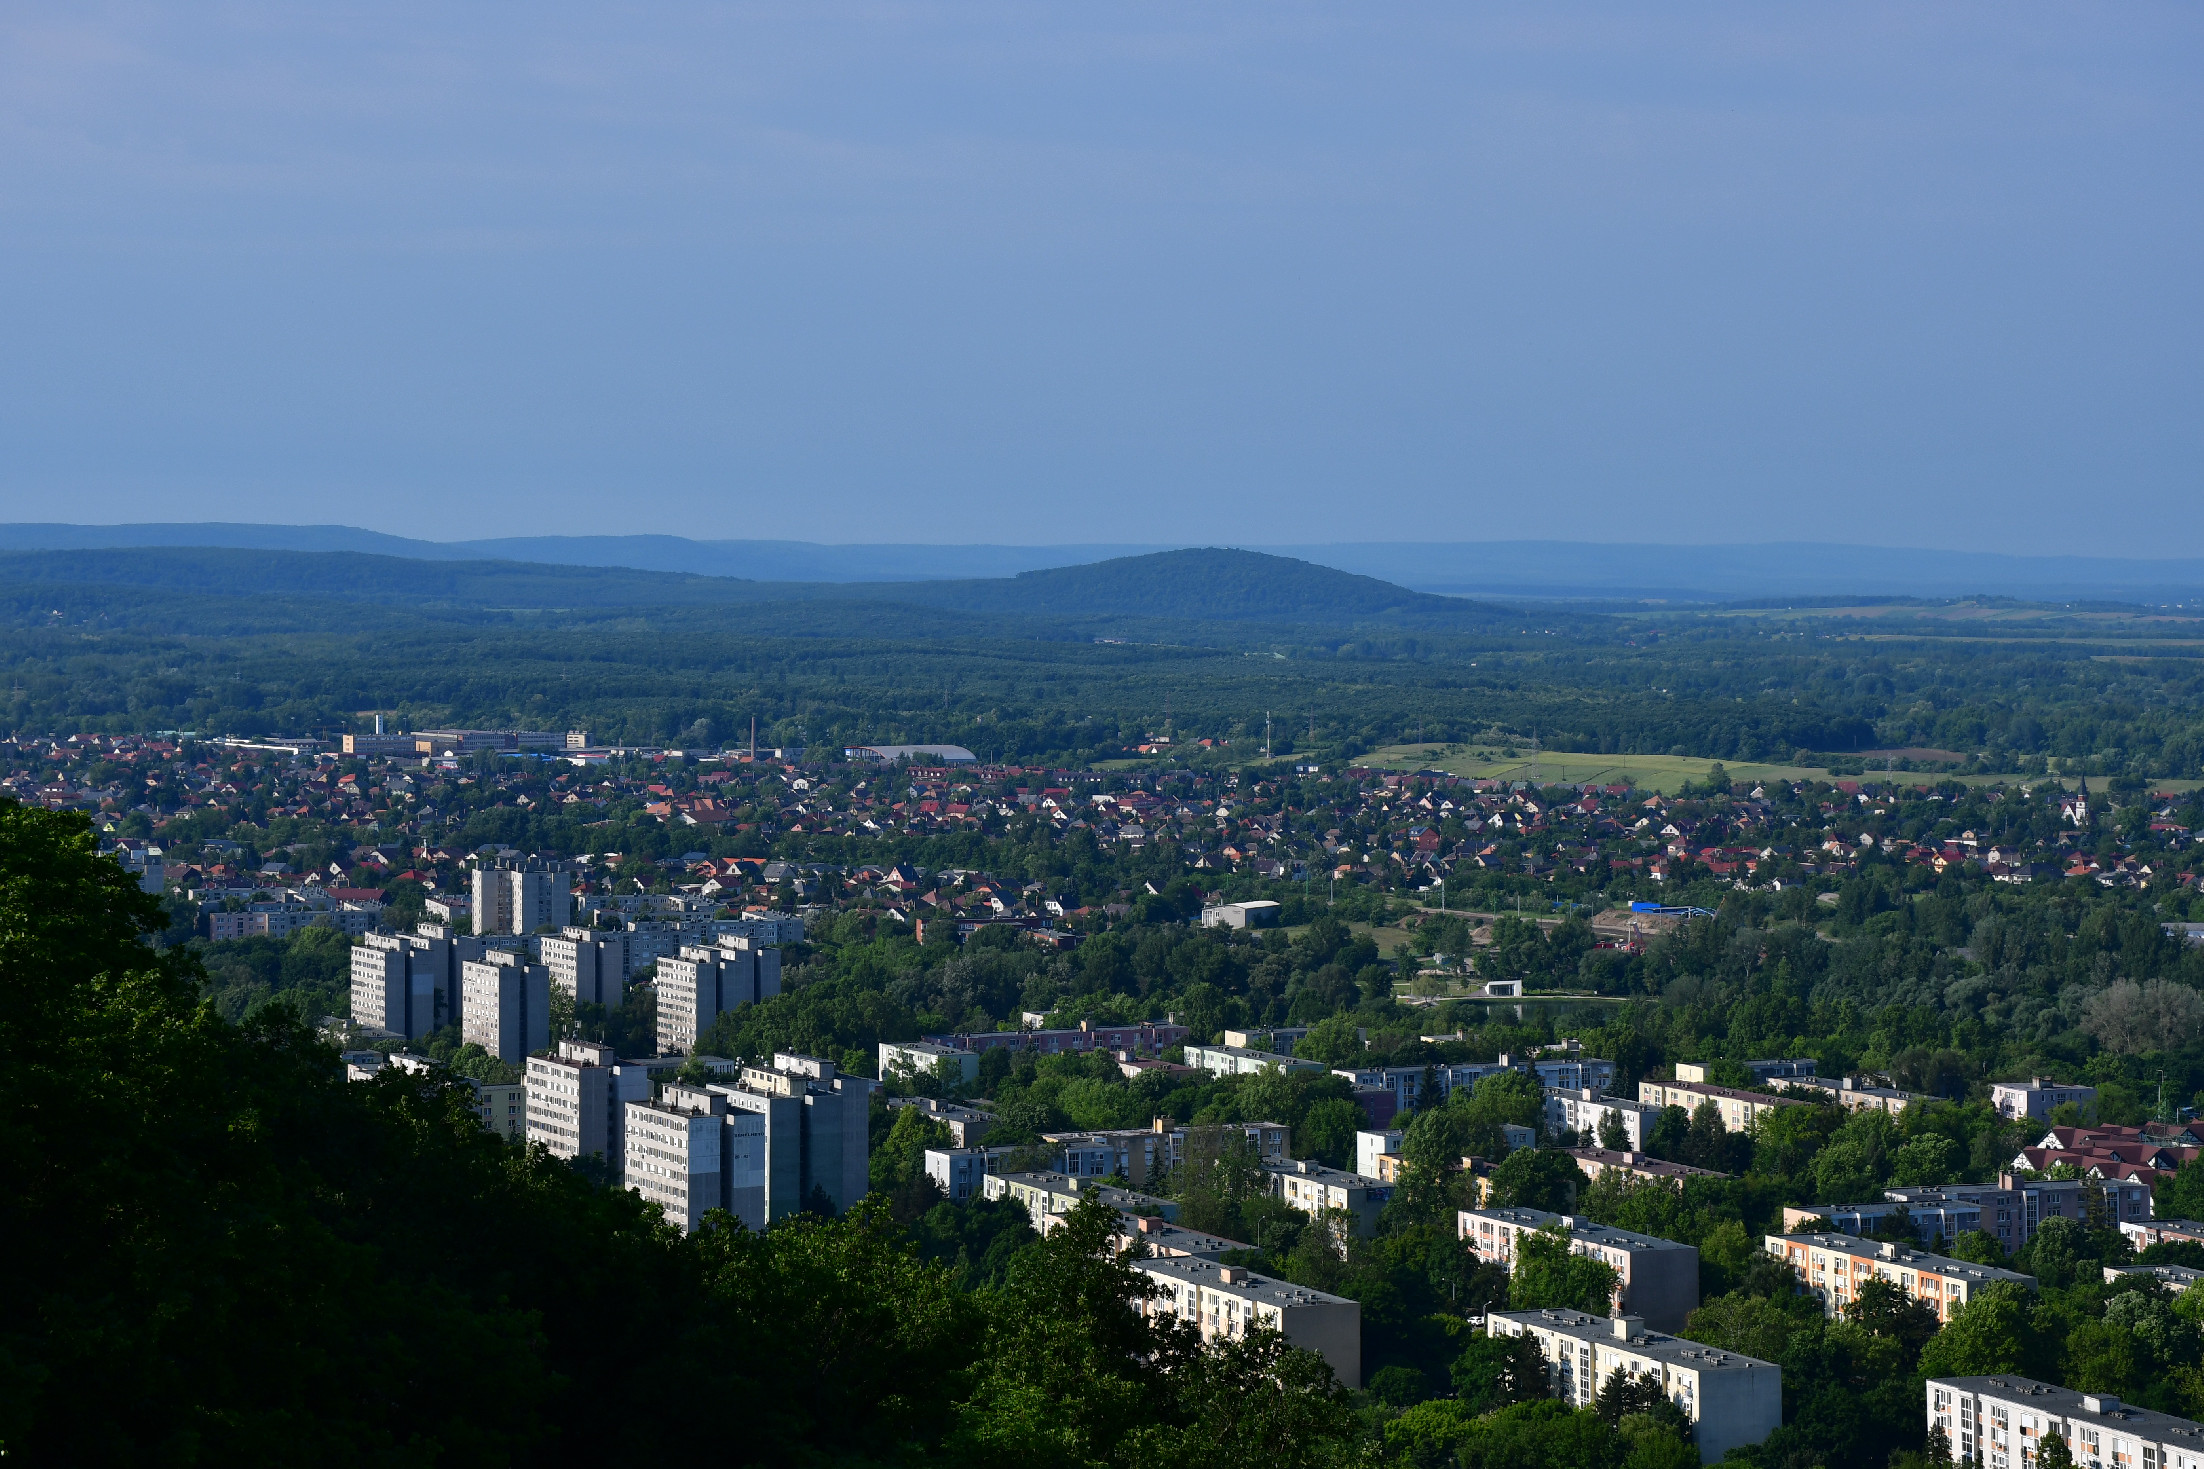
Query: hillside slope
{"type": "Point", "coordinates": [1207, 585]}
{"type": "Point", "coordinates": [1204, 586]}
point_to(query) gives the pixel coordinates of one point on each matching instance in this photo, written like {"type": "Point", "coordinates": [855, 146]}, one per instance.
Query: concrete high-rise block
{"type": "Point", "coordinates": [505, 1006]}
{"type": "Point", "coordinates": [521, 897]}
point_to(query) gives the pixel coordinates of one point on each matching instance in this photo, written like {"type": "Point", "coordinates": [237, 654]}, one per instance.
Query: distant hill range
{"type": "Point", "coordinates": [1506, 570]}
{"type": "Point", "coordinates": [1188, 586]}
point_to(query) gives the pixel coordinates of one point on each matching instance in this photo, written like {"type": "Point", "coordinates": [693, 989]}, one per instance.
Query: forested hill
{"type": "Point", "coordinates": [353, 576]}
{"type": "Point", "coordinates": [1207, 585]}
{"type": "Point", "coordinates": [1184, 586]}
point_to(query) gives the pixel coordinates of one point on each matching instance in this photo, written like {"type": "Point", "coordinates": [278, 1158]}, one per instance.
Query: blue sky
{"type": "Point", "coordinates": [1903, 274]}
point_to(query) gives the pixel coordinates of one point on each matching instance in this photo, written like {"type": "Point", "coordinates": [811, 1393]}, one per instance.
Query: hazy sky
{"type": "Point", "coordinates": [1907, 274]}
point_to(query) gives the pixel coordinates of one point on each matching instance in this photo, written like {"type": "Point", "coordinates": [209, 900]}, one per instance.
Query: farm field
{"type": "Point", "coordinates": [1663, 773]}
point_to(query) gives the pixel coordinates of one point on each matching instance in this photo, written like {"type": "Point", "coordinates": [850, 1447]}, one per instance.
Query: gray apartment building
{"type": "Point", "coordinates": [2011, 1211]}
{"type": "Point", "coordinates": [967, 1125]}
{"type": "Point", "coordinates": [521, 896]}
{"type": "Point", "coordinates": [1731, 1399]}
{"type": "Point", "coordinates": [505, 1005]}
{"type": "Point", "coordinates": [1659, 1277]}
{"type": "Point", "coordinates": [1227, 1302]}
{"type": "Point", "coordinates": [576, 1097]}
{"type": "Point", "coordinates": [589, 966]}
{"type": "Point", "coordinates": [1142, 1154]}
{"type": "Point", "coordinates": [761, 1149]}
{"type": "Point", "coordinates": [700, 984]}
{"type": "Point", "coordinates": [409, 984]}
{"type": "Point", "coordinates": [960, 1173]}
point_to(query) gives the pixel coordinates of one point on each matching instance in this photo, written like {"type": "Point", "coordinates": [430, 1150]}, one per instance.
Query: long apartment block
{"type": "Point", "coordinates": [2003, 1423]}
{"type": "Point", "coordinates": [1047, 1194]}
{"type": "Point", "coordinates": [1731, 1399]}
{"type": "Point", "coordinates": [1659, 1277]}
{"type": "Point", "coordinates": [2010, 1211]}
{"type": "Point", "coordinates": [1143, 1153]}
{"type": "Point", "coordinates": [1227, 1302]}
{"type": "Point", "coordinates": [1739, 1109]}
{"type": "Point", "coordinates": [1835, 1266]}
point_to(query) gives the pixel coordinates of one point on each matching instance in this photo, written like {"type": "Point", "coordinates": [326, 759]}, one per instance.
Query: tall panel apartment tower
{"type": "Point", "coordinates": [699, 985]}
{"type": "Point", "coordinates": [577, 1101]}
{"type": "Point", "coordinates": [521, 897]}
{"type": "Point", "coordinates": [409, 983]}
{"type": "Point", "coordinates": [761, 1149]}
{"type": "Point", "coordinates": [589, 966]}
{"type": "Point", "coordinates": [506, 1006]}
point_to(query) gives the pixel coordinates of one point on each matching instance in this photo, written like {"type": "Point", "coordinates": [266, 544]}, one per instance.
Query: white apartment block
{"type": "Point", "coordinates": [1731, 1399]}
{"type": "Point", "coordinates": [1166, 1241]}
{"type": "Point", "coordinates": [1237, 1061]}
{"type": "Point", "coordinates": [1835, 1266]}
{"type": "Point", "coordinates": [958, 1172]}
{"type": "Point", "coordinates": [2142, 1234]}
{"type": "Point", "coordinates": [1047, 1194]}
{"type": "Point", "coordinates": [701, 984]}
{"type": "Point", "coordinates": [505, 1006]}
{"type": "Point", "coordinates": [588, 966]}
{"type": "Point", "coordinates": [1226, 1302]}
{"type": "Point", "coordinates": [2177, 1279]}
{"type": "Point", "coordinates": [1849, 1094]}
{"type": "Point", "coordinates": [521, 897]}
{"type": "Point", "coordinates": [2036, 1097]}
{"type": "Point", "coordinates": [2001, 1423]}
{"type": "Point", "coordinates": [816, 1128]}
{"type": "Point", "coordinates": [1571, 1108]}
{"type": "Point", "coordinates": [1371, 1146]}
{"type": "Point", "coordinates": [1789, 1069]}
{"type": "Point", "coordinates": [911, 1060]}
{"type": "Point", "coordinates": [1315, 1189]}
{"type": "Point", "coordinates": [1739, 1109]}
{"type": "Point", "coordinates": [1659, 1277]}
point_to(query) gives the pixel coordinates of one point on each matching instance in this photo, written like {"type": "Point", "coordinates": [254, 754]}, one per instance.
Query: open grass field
{"type": "Point", "coordinates": [1664, 773]}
